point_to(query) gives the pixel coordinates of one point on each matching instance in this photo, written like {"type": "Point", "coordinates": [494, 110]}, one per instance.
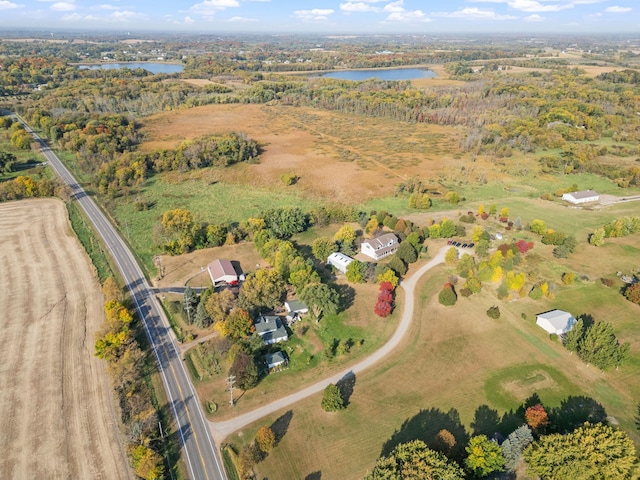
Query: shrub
{"type": "Point", "coordinates": [289, 178]}
{"type": "Point", "coordinates": [608, 282]}
{"type": "Point", "coordinates": [632, 293]}
{"type": "Point", "coordinates": [523, 246]}
{"type": "Point", "coordinates": [332, 400]}
{"type": "Point", "coordinates": [568, 278]}
{"type": "Point", "coordinates": [447, 295]}
{"type": "Point", "coordinates": [466, 292]}
{"type": "Point", "coordinates": [536, 293]}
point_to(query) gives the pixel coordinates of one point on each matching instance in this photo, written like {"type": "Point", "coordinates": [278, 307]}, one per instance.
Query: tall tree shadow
{"type": "Point", "coordinates": [346, 385]}
{"type": "Point", "coordinates": [574, 411]}
{"type": "Point", "coordinates": [425, 426]}
{"type": "Point", "coordinates": [281, 425]}
{"type": "Point", "coordinates": [314, 476]}
{"type": "Point", "coordinates": [347, 295]}
{"type": "Point", "coordinates": [486, 421]}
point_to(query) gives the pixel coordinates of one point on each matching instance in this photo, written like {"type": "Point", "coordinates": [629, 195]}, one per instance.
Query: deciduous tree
{"type": "Point", "coordinates": [323, 247]}
{"type": "Point", "coordinates": [485, 456]}
{"type": "Point", "coordinates": [590, 451]}
{"type": "Point", "coordinates": [320, 298]}
{"type": "Point", "coordinates": [332, 400]}
{"type": "Point", "coordinates": [537, 417]}
{"type": "Point", "coordinates": [262, 289]}
{"type": "Point", "coordinates": [265, 439]}
{"type": "Point", "coordinates": [414, 460]}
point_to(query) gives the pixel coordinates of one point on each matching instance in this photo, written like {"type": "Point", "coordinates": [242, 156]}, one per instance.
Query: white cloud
{"type": "Point", "coordinates": [106, 6]}
{"type": "Point", "coordinates": [358, 7]}
{"type": "Point", "coordinates": [242, 20]}
{"type": "Point", "coordinates": [63, 7]}
{"type": "Point", "coordinates": [313, 15]}
{"type": "Point", "coordinates": [126, 15]}
{"type": "Point", "coordinates": [408, 16]}
{"type": "Point", "coordinates": [534, 18]}
{"type": "Point", "coordinates": [534, 6]}
{"type": "Point", "coordinates": [617, 9]}
{"type": "Point", "coordinates": [210, 7]}
{"type": "Point", "coordinates": [474, 13]}
{"type": "Point", "coordinates": [5, 5]}
{"type": "Point", "coordinates": [188, 20]}
{"type": "Point", "coordinates": [395, 7]}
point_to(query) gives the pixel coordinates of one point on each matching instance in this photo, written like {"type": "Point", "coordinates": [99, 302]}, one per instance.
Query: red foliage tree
{"type": "Point", "coordinates": [384, 305]}
{"type": "Point", "coordinates": [536, 417]}
{"type": "Point", "coordinates": [524, 246]}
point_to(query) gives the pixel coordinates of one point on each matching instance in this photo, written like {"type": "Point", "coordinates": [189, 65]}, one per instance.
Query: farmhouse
{"type": "Point", "coordinates": [223, 271]}
{"type": "Point", "coordinates": [380, 247]}
{"type": "Point", "coordinates": [340, 261]}
{"type": "Point", "coordinates": [555, 321]}
{"type": "Point", "coordinates": [274, 360]}
{"type": "Point", "coordinates": [270, 328]}
{"type": "Point", "coordinates": [583, 196]}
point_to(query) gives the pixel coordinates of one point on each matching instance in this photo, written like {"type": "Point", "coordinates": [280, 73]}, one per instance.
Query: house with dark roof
{"type": "Point", "coordinates": [583, 196]}
{"type": "Point", "coordinates": [380, 247]}
{"type": "Point", "coordinates": [275, 359]}
{"type": "Point", "coordinates": [270, 329]}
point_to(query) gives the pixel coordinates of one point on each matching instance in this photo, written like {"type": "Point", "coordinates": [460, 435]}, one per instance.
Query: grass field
{"type": "Point", "coordinates": [458, 367]}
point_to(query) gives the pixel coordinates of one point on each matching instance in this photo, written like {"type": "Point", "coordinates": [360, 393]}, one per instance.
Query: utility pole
{"type": "Point", "coordinates": [231, 380]}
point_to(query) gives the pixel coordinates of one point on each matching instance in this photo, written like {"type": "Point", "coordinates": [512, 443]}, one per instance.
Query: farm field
{"type": "Point", "coordinates": [460, 370]}
{"type": "Point", "coordinates": [58, 416]}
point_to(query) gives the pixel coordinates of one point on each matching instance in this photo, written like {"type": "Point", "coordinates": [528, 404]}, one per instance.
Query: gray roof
{"type": "Point", "coordinates": [267, 323]}
{"type": "Point", "coordinates": [584, 194]}
{"type": "Point", "coordinates": [382, 241]}
{"type": "Point", "coordinates": [296, 305]}
{"type": "Point", "coordinates": [275, 358]}
{"type": "Point", "coordinates": [278, 335]}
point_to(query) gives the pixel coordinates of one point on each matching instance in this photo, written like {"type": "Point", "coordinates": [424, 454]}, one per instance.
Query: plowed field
{"type": "Point", "coordinates": [58, 419]}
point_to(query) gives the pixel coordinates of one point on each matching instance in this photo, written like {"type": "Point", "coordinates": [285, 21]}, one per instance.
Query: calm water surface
{"type": "Point", "coordinates": [149, 66]}
{"type": "Point", "coordinates": [392, 74]}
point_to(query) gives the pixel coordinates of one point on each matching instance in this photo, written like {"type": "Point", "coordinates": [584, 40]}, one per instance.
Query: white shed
{"type": "Point", "coordinates": [222, 271]}
{"type": "Point", "coordinates": [340, 261]}
{"type": "Point", "coordinates": [555, 321]}
{"type": "Point", "coordinates": [583, 196]}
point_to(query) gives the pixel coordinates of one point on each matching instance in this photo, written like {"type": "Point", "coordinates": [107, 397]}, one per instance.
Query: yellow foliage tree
{"type": "Point", "coordinates": [388, 276]}
{"type": "Point", "coordinates": [497, 274]}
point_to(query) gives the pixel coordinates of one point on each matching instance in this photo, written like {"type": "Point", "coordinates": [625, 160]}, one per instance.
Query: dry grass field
{"type": "Point", "coordinates": [58, 419]}
{"type": "Point", "coordinates": [338, 157]}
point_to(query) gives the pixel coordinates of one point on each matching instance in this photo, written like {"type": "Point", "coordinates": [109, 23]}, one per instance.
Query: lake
{"type": "Point", "coordinates": [391, 74]}
{"type": "Point", "coordinates": [149, 66]}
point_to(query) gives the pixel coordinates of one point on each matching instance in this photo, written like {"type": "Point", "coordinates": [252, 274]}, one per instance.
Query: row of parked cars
{"type": "Point", "coordinates": [460, 244]}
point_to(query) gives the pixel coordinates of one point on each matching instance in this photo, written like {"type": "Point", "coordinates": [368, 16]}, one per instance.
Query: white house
{"type": "Point", "coordinates": [222, 271]}
{"type": "Point", "coordinates": [274, 360]}
{"type": "Point", "coordinates": [583, 196]}
{"type": "Point", "coordinates": [555, 321]}
{"type": "Point", "coordinates": [380, 247]}
{"type": "Point", "coordinates": [340, 261]}
{"type": "Point", "coordinates": [270, 328]}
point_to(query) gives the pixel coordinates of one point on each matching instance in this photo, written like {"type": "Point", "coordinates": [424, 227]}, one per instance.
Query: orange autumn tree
{"type": "Point", "coordinates": [536, 417]}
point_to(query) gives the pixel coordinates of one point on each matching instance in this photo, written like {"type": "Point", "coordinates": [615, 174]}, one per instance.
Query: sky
{"type": "Point", "coordinates": [327, 16]}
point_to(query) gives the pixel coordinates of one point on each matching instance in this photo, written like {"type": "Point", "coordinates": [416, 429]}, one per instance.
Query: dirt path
{"type": "Point", "coordinates": [220, 430]}
{"type": "Point", "coordinates": [58, 420]}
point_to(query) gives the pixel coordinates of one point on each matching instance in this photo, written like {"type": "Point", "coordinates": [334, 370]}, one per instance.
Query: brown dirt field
{"type": "Point", "coordinates": [58, 419]}
{"type": "Point", "coordinates": [340, 157]}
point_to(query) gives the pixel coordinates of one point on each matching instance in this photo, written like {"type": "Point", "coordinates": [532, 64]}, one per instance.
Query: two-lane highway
{"type": "Point", "coordinates": [199, 451]}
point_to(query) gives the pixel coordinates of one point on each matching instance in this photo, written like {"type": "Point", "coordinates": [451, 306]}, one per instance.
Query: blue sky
{"type": "Point", "coordinates": [327, 16]}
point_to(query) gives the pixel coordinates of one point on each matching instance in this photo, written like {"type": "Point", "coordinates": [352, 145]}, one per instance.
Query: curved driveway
{"type": "Point", "coordinates": [221, 429]}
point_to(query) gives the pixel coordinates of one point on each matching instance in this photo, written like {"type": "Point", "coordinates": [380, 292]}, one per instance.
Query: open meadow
{"type": "Point", "coordinates": [58, 417]}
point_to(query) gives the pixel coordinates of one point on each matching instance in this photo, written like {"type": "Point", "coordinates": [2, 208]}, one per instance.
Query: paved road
{"type": "Point", "coordinates": [199, 451]}
{"type": "Point", "coordinates": [222, 429]}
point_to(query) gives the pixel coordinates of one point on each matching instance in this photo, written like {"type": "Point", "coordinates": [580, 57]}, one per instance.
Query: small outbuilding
{"type": "Point", "coordinates": [583, 196]}
{"type": "Point", "coordinates": [380, 247]}
{"type": "Point", "coordinates": [275, 359]}
{"type": "Point", "coordinates": [296, 306]}
{"type": "Point", "coordinates": [340, 261]}
{"type": "Point", "coordinates": [555, 321]}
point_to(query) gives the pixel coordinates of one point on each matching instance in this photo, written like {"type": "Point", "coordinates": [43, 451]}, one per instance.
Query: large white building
{"type": "Point", "coordinates": [222, 271]}
{"type": "Point", "coordinates": [555, 321]}
{"type": "Point", "coordinates": [583, 196]}
{"type": "Point", "coordinates": [340, 261]}
{"type": "Point", "coordinates": [380, 247]}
